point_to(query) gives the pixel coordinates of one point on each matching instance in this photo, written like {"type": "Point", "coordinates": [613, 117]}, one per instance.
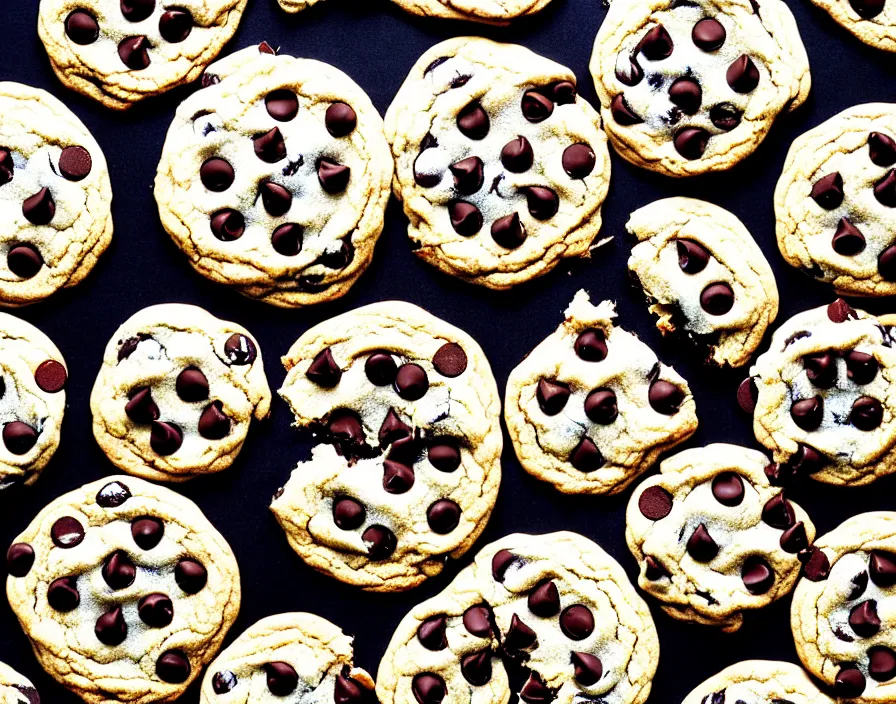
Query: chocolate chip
{"type": "Point", "coordinates": [536, 107]}
{"type": "Point", "coordinates": [654, 569]}
{"type": "Point", "coordinates": [808, 413]}
{"type": "Point", "coordinates": [622, 113]}
{"type": "Point", "coordinates": [708, 34]}
{"type": "Point", "coordinates": [340, 119]}
{"type": "Point", "coordinates": [849, 683]}
{"type": "Point", "coordinates": [535, 691]}
{"type": "Point", "coordinates": [62, 594]}
{"type": "Point", "coordinates": [692, 256]}
{"type": "Point", "coordinates": [348, 514]}
{"type": "Point", "coordinates": [806, 460]}
{"type": "Point", "coordinates": [701, 546]}
{"type": "Point", "coordinates": [848, 240]}
{"type": "Point", "coordinates": [344, 426]}
{"type": "Point", "coordinates": [175, 25]}
{"type": "Point", "coordinates": [543, 203]}
{"type": "Point", "coordinates": [411, 382]}
{"type": "Point", "coordinates": [778, 512]}
{"type": "Point", "coordinates": [208, 80]}
{"type": "Point", "coordinates": [665, 397]}
{"type": "Point", "coordinates": [859, 585]}
{"type": "Point", "coordinates": [380, 542]}
{"type": "Point", "coordinates": [119, 570]}
{"type": "Point", "coordinates": [173, 667]}
{"type": "Point", "coordinates": [39, 208]}
{"type": "Point", "coordinates": [20, 559]}
{"type": "Point", "coordinates": [431, 633]}
{"type": "Point", "coordinates": [473, 121]}
{"type": "Point", "coordinates": [563, 92]}
{"type": "Point", "coordinates": [276, 199]}
{"type": "Point", "coordinates": [821, 369]}
{"type": "Point", "coordinates": [223, 682]}
{"type": "Point", "coordinates": [50, 376]}
{"type": "Point", "coordinates": [885, 190]}
{"type": "Point", "coordinates": [578, 160]}
{"type": "Point", "coordinates": [444, 455]}
{"type": "Point", "coordinates": [508, 231]}
{"type": "Point", "coordinates": [588, 669]}
{"type": "Point", "coordinates": [287, 239]}
{"type": "Point", "coordinates": [861, 367]}
{"type": "Point", "coordinates": [75, 163]}
{"type": "Point", "coordinates": [591, 345]}
{"type": "Point", "coordinates": [165, 438]}
{"type": "Point", "coordinates": [282, 678]}
{"type": "Point", "coordinates": [24, 260]}
{"type": "Point", "coordinates": [465, 218]}
{"type": "Point", "coordinates": [477, 621]}
{"type": "Point", "coordinates": [140, 407]}
{"type": "Point", "coordinates": [500, 562]}
{"type": "Point", "coordinates": [240, 349]}
{"type": "Point", "coordinates": [747, 395]}
{"type": "Point", "coordinates": [265, 48]}
{"type": "Point", "coordinates": [867, 9]}
{"type": "Point", "coordinates": [586, 457]}
{"type": "Point", "coordinates": [137, 10]}
{"type": "Point", "coordinates": [156, 610]}
{"type": "Point", "coordinates": [691, 142]}
{"type": "Point", "coordinates": [190, 575]}
{"type": "Point", "coordinates": [794, 539]}
{"type": "Point", "coordinates": [867, 413]}
{"type": "Point", "coordinates": [228, 225]}
{"type": "Point", "coordinates": [517, 155]}
{"type": "Point", "coordinates": [111, 628]}
{"type": "Point", "coordinates": [213, 422]}
{"type": "Point", "coordinates": [270, 147]}
{"type": "Point", "coordinates": [544, 600]}
{"type": "Point", "coordinates": [881, 148]}
{"type": "Point", "coordinates": [600, 406]}
{"type": "Point", "coordinates": [717, 299]}
{"type": "Point", "coordinates": [757, 576]}
{"type": "Point", "coordinates": [477, 668]}
{"type": "Point", "coordinates": [67, 532]}
{"type": "Point", "coordinates": [728, 489]}
{"type": "Point", "coordinates": [552, 396]}
{"type": "Point", "coordinates": [380, 368]}
{"type": "Point", "coordinates": [655, 503]}
{"type": "Point", "coordinates": [686, 94]}
{"type": "Point", "coordinates": [112, 495]}
{"type": "Point", "coordinates": [656, 44]}
{"type": "Point", "coordinates": [519, 636]}
{"type": "Point", "coordinates": [628, 71]}
{"type": "Point", "coordinates": [7, 166]}
{"type": "Point", "coordinates": [348, 691]}
{"type": "Point", "coordinates": [147, 532]}
{"type": "Point", "coordinates": [881, 663]}
{"type": "Point", "coordinates": [742, 75]}
{"type": "Point", "coordinates": [863, 619]}
{"type": "Point", "coordinates": [82, 28]}
{"type": "Point", "coordinates": [323, 370]}
{"type": "Point", "coordinates": [816, 566]}
{"type": "Point", "coordinates": [393, 428]}
{"type": "Point", "coordinates": [450, 360]}
{"type": "Point", "coordinates": [428, 688]}
{"type": "Point", "coordinates": [886, 263]}
{"type": "Point", "coordinates": [443, 516]}
{"type": "Point", "coordinates": [191, 385]}
{"type": "Point", "coordinates": [828, 191]}
{"type": "Point", "coordinates": [725, 116]}
{"type": "Point", "coordinates": [882, 567]}
{"type": "Point", "coordinates": [134, 52]}
{"type": "Point", "coordinates": [216, 174]}
{"type": "Point", "coordinates": [467, 175]}
{"type": "Point", "coordinates": [577, 622]}
{"type": "Point", "coordinates": [338, 258]}
{"type": "Point", "coordinates": [18, 437]}
{"type": "Point", "coordinates": [282, 104]}
{"type": "Point", "coordinates": [333, 176]}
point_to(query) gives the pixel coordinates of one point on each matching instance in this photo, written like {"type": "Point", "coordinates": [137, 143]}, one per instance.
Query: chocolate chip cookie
{"type": "Point", "coordinates": [691, 87]}
{"type": "Point", "coordinates": [592, 407]}
{"type": "Point", "coordinates": [16, 689]}
{"type": "Point", "coordinates": [293, 6]}
{"type": "Point", "coordinates": [55, 197]}
{"type": "Point", "coordinates": [758, 682]}
{"type": "Point", "coordinates": [125, 590]}
{"type": "Point", "coordinates": [177, 392]}
{"type": "Point", "coordinates": [544, 617]}
{"type": "Point", "coordinates": [843, 609]}
{"type": "Point", "coordinates": [836, 201]}
{"type": "Point", "coordinates": [502, 167]}
{"type": "Point", "coordinates": [289, 657]}
{"type": "Point", "coordinates": [121, 51]}
{"type": "Point", "coordinates": [872, 21]}
{"type": "Point", "coordinates": [488, 11]}
{"type": "Point", "coordinates": [274, 178]}
{"type": "Point", "coordinates": [704, 275]}
{"type": "Point", "coordinates": [713, 537]}
{"type": "Point", "coordinates": [406, 417]}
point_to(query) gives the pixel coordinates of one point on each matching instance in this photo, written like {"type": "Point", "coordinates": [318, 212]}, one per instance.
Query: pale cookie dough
{"type": "Point", "coordinates": [704, 275]}
{"type": "Point", "coordinates": [502, 167]}
{"type": "Point", "coordinates": [33, 375]}
{"type": "Point", "coordinates": [550, 618]}
{"type": "Point", "coordinates": [488, 11]}
{"type": "Point", "coordinates": [759, 682]}
{"type": "Point", "coordinates": [55, 197]}
{"type": "Point", "coordinates": [177, 392]}
{"type": "Point", "coordinates": [592, 407]}
{"type": "Point", "coordinates": [872, 21]}
{"type": "Point", "coordinates": [691, 87]}
{"type": "Point", "coordinates": [407, 465]}
{"type": "Point", "coordinates": [713, 537]}
{"type": "Point", "coordinates": [274, 178]}
{"type": "Point", "coordinates": [294, 657]}
{"type": "Point", "coordinates": [16, 689]}
{"type": "Point", "coordinates": [824, 396]}
{"type": "Point", "coordinates": [293, 6]}
{"type": "Point", "coordinates": [125, 590]}
{"type": "Point", "coordinates": [835, 202]}
{"type": "Point", "coordinates": [844, 610]}
{"type": "Point", "coordinates": [121, 51]}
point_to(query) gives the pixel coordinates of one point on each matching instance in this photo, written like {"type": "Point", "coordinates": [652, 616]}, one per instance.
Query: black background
{"type": "Point", "coordinates": [376, 44]}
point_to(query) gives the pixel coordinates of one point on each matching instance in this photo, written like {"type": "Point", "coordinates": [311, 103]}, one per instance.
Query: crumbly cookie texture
{"type": "Point", "coordinates": [592, 407]}
{"type": "Point", "coordinates": [488, 11]}
{"type": "Point", "coordinates": [843, 609]}
{"type": "Point", "coordinates": [550, 618]}
{"type": "Point", "coordinates": [703, 275]}
{"type": "Point", "coordinates": [296, 655]}
{"type": "Point", "coordinates": [713, 537]}
{"type": "Point", "coordinates": [687, 88]}
{"type": "Point", "coordinates": [121, 51]}
{"type": "Point", "coordinates": [759, 682]}
{"type": "Point", "coordinates": [55, 197]}
{"type": "Point", "coordinates": [502, 167]}
{"type": "Point", "coordinates": [177, 392]}
{"type": "Point", "coordinates": [274, 178]}
{"type": "Point", "coordinates": [835, 201]}
{"type": "Point", "coordinates": [407, 466]}
{"type": "Point", "coordinates": [872, 21]}
{"type": "Point", "coordinates": [125, 590]}
{"type": "Point", "coordinates": [822, 396]}
{"type": "Point", "coordinates": [16, 689]}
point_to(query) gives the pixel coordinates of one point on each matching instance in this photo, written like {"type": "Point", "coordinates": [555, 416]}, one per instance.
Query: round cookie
{"type": "Point", "coordinates": [704, 275]}
{"type": "Point", "coordinates": [274, 178]}
{"type": "Point", "coordinates": [122, 51]}
{"type": "Point", "coordinates": [591, 407]}
{"type": "Point", "coordinates": [16, 689]}
{"type": "Point", "coordinates": [407, 465]}
{"type": "Point", "coordinates": [294, 6]}
{"type": "Point", "coordinates": [55, 197]}
{"type": "Point", "coordinates": [33, 375]}
{"type": "Point", "coordinates": [872, 21]}
{"type": "Point", "coordinates": [843, 609]}
{"type": "Point", "coordinates": [502, 167]}
{"type": "Point", "coordinates": [713, 537]}
{"type": "Point", "coordinates": [835, 201]}
{"type": "Point", "coordinates": [296, 655]}
{"type": "Point", "coordinates": [487, 11]}
{"type": "Point", "coordinates": [758, 682]}
{"type": "Point", "coordinates": [550, 618]}
{"type": "Point", "coordinates": [691, 87]}
{"type": "Point", "coordinates": [177, 392]}
{"type": "Point", "coordinates": [125, 590]}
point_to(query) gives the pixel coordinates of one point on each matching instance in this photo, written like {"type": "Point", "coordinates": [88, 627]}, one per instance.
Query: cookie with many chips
{"type": "Point", "coordinates": [758, 682]}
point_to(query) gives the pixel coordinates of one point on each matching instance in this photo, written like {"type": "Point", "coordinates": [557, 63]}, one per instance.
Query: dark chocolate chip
{"type": "Point", "coordinates": [380, 368]}
{"type": "Point", "coordinates": [282, 104]}
{"type": "Point", "coordinates": [885, 190]}
{"type": "Point", "coordinates": [134, 52]}
{"type": "Point", "coordinates": [112, 495]}
{"type": "Point", "coordinates": [886, 263]}
{"type": "Point", "coordinates": [881, 663]}
{"type": "Point", "coordinates": [552, 396]}
{"type": "Point", "coordinates": [665, 397]}
{"type": "Point", "coordinates": [443, 516]}
{"type": "Point", "coordinates": [7, 166]}
{"type": "Point", "coordinates": [477, 620]}
{"type": "Point", "coordinates": [686, 94]}
{"type": "Point", "coordinates": [808, 413]}
{"type": "Point", "coordinates": [861, 367]}
{"type": "Point", "coordinates": [428, 688]}
{"type": "Point", "coordinates": [24, 260]}
{"type": "Point", "coordinates": [794, 539]}
{"type": "Point", "coordinates": [190, 575]}
{"type": "Point", "coordinates": [147, 532]}
{"type": "Point", "coordinates": [338, 258]}
{"type": "Point", "coordinates": [881, 148]}
{"type": "Point", "coordinates": [287, 239]}
{"type": "Point", "coordinates": [578, 160]}
{"type": "Point", "coordinates": [140, 407]}
{"type": "Point", "coordinates": [517, 155]}
{"type": "Point", "coordinates": [655, 503]}
{"type": "Point", "coordinates": [863, 619]}
{"type": "Point", "coordinates": [119, 570]}
{"type": "Point", "coordinates": [111, 628]}
{"type": "Point", "coordinates": [216, 174]}
{"type": "Point", "coordinates": [270, 147]}
{"type": "Point", "coordinates": [821, 369]}
{"type": "Point", "coordinates": [586, 457]}
{"type": "Point", "coordinates": [431, 633]}
{"type": "Point", "coordinates": [535, 691]}
{"type": "Point", "coordinates": [859, 585]}
{"type": "Point", "coordinates": [450, 360]}
{"type": "Point", "coordinates": [173, 667]}
{"type": "Point", "coordinates": [156, 610]}
{"type": "Point", "coordinates": [867, 413]}
{"type": "Point", "coordinates": [848, 240]}
{"type": "Point", "coordinates": [477, 668]}
{"type": "Point", "coordinates": [19, 437]}
{"type": "Point", "coordinates": [725, 116]}
{"type": "Point", "coordinates": [82, 28]}
{"type": "Point", "coordinates": [828, 191]}
{"type": "Point", "coordinates": [276, 199]}
{"type": "Point", "coordinates": [323, 370]}
{"type": "Point", "coordinates": [577, 622]}
{"type": "Point", "coordinates": [600, 406]}
{"type": "Point", "coordinates": [67, 532]}
{"type": "Point", "coordinates": [224, 681]}
{"type": "Point", "coordinates": [473, 121]}
{"type": "Point", "coordinates": [747, 395]}
{"type": "Point", "coordinates": [348, 514]}
{"type": "Point", "coordinates": [282, 679]}
{"type": "Point", "coordinates": [701, 546]}
{"type": "Point", "coordinates": [50, 376]}
{"type": "Point", "coordinates": [340, 119]}
{"type": "Point", "coordinates": [654, 569]}
{"type": "Point", "coordinates": [240, 349]}
{"type": "Point", "coordinates": [39, 208]}
{"type": "Point", "coordinates": [333, 176]}
{"type": "Point", "coordinates": [757, 576]}
{"type": "Point", "coordinates": [228, 225]}
{"type": "Point", "coordinates": [588, 669]}
{"type": "Point", "coordinates": [344, 426]}
{"type": "Point", "coordinates": [20, 559]}
{"type": "Point", "coordinates": [536, 106]}
{"type": "Point", "coordinates": [630, 73]}
{"type": "Point", "coordinates": [468, 175]}
{"type": "Point", "coordinates": [465, 218]}
{"type": "Point", "coordinates": [508, 231]}
{"type": "Point", "coordinates": [137, 10]}
{"type": "Point", "coordinates": [444, 455]}
{"type": "Point", "coordinates": [849, 683]}
{"type": "Point", "coordinates": [519, 636]}
{"type": "Point", "coordinates": [816, 566]}
{"type": "Point", "coordinates": [75, 163]}
{"type": "Point", "coordinates": [692, 256]}
{"type": "Point", "coordinates": [500, 562]}
{"type": "Point", "coordinates": [717, 299]}
{"type": "Point", "coordinates": [708, 34]}
{"type": "Point", "coordinates": [742, 75]}
{"type": "Point", "coordinates": [882, 567]}
{"type": "Point", "coordinates": [728, 489]}
{"type": "Point", "coordinates": [393, 428]}
{"type": "Point", "coordinates": [411, 382]}
{"type": "Point", "coordinates": [543, 203]}
{"type": "Point", "coordinates": [622, 113]}
{"type": "Point", "coordinates": [591, 345]}
{"type": "Point", "coordinates": [175, 25]}
{"type": "Point", "coordinates": [867, 9]}
{"type": "Point", "coordinates": [380, 542]}
{"type": "Point", "coordinates": [348, 691]}
{"type": "Point", "coordinates": [213, 422]}
{"type": "Point", "coordinates": [691, 142]}
{"type": "Point", "coordinates": [840, 311]}
{"type": "Point", "coordinates": [778, 512]}
{"type": "Point", "coordinates": [265, 48]}
{"type": "Point", "coordinates": [62, 594]}
{"type": "Point", "coordinates": [563, 92]}
{"type": "Point", "coordinates": [191, 385]}
{"type": "Point", "coordinates": [165, 438]}
{"type": "Point", "coordinates": [656, 44]}
{"type": "Point", "coordinates": [544, 600]}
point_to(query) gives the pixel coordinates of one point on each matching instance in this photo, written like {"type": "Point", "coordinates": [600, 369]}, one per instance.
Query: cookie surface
{"type": "Point", "coordinates": [872, 21]}
{"type": "Point", "coordinates": [713, 537]}
{"type": "Point", "coordinates": [296, 655]}
{"type": "Point", "coordinates": [489, 11]}
{"type": "Point", "coordinates": [405, 474]}
{"type": "Point", "coordinates": [703, 275]}
{"type": "Point", "coordinates": [121, 51]}
{"type": "Point", "coordinates": [758, 682]}
{"type": "Point", "coordinates": [592, 407]}
{"type": "Point", "coordinates": [551, 618]}
{"type": "Point", "coordinates": [502, 168]}
{"type": "Point", "coordinates": [16, 689]}
{"type": "Point", "coordinates": [177, 392]}
{"type": "Point", "coordinates": [55, 197]}
{"type": "Point", "coordinates": [274, 178]}
{"type": "Point", "coordinates": [687, 88]}
{"type": "Point", "coordinates": [125, 590]}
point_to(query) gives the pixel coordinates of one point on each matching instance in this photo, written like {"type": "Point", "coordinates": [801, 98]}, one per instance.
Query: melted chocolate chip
{"type": "Point", "coordinates": [465, 218]}
{"type": "Point", "coordinates": [867, 413]}
{"type": "Point", "coordinates": [500, 562]}
{"type": "Point", "coordinates": [165, 438]}
{"type": "Point", "coordinates": [536, 106]}
{"type": "Point", "coordinates": [380, 542]}
{"type": "Point", "coordinates": [112, 495]}
{"type": "Point", "coordinates": [140, 407]}
{"type": "Point", "coordinates": [228, 225]}
{"type": "Point", "coordinates": [428, 688]}
{"type": "Point", "coordinates": [7, 166]}
{"type": "Point", "coordinates": [861, 368]}
{"type": "Point", "coordinates": [840, 311]}
{"type": "Point", "coordinates": [535, 691]}
{"type": "Point", "coordinates": [216, 174]}
{"type": "Point", "coordinates": [276, 199]}
{"type": "Point", "coordinates": [147, 532]}
{"type": "Point", "coordinates": [119, 570]}
{"type": "Point", "coordinates": [591, 345]}
{"type": "Point", "coordinates": [863, 619]}
{"type": "Point", "coordinates": [282, 104]}
{"type": "Point", "coordinates": [808, 413]}
{"type": "Point", "coordinates": [282, 678]}
{"type": "Point", "coordinates": [477, 620]}
{"type": "Point", "coordinates": [881, 663]}
{"type": "Point", "coordinates": [882, 568]}
{"type": "Point", "coordinates": [19, 559]}
{"type": "Point", "coordinates": [816, 566]}
{"type": "Point", "coordinates": [175, 25]}
{"type": "Point", "coordinates": [348, 691]}
{"type": "Point", "coordinates": [443, 516]}
{"type": "Point", "coordinates": [411, 382]}
{"type": "Point", "coordinates": [778, 512]}
{"type": "Point", "coordinates": [134, 52]}
{"type": "Point", "coordinates": [82, 28]}
{"type": "Point", "coordinates": [156, 610]}
{"type": "Point", "coordinates": [323, 370]}
{"type": "Point", "coordinates": [867, 9]}
{"type": "Point", "coordinates": [849, 683]}
{"type": "Point", "coordinates": [622, 113]}
{"type": "Point", "coordinates": [686, 94]}
{"type": "Point", "coordinates": [137, 10]}
{"type": "Point", "coordinates": [886, 263]}
{"type": "Point", "coordinates": [333, 177]}
{"type": "Point", "coordinates": [717, 299]}
{"type": "Point", "coordinates": [67, 532]}
{"type": "Point", "coordinates": [348, 514]}
{"type": "Point", "coordinates": [692, 256]}
{"type": "Point", "coordinates": [190, 575]}
{"type": "Point", "coordinates": [629, 71]}
{"type": "Point", "coordinates": [747, 395]}
{"type": "Point", "coordinates": [477, 668]}
{"type": "Point", "coordinates": [578, 161]}
{"type": "Point", "coordinates": [728, 489]}
{"type": "Point", "coordinates": [19, 437]}
{"type": "Point", "coordinates": [224, 681]}
{"type": "Point", "coordinates": [655, 503]}
{"type": "Point", "coordinates": [821, 369]}
{"type": "Point", "coordinates": [725, 116]}
{"type": "Point", "coordinates": [444, 455]}
{"type": "Point", "coordinates": [24, 261]}
{"type": "Point", "coordinates": [654, 569]}
{"type": "Point", "coordinates": [240, 349]}
{"type": "Point", "coordinates": [340, 119]}
{"type": "Point", "coordinates": [62, 594]}
{"type": "Point", "coordinates": [431, 633]}
{"type": "Point", "coordinates": [600, 406]}
{"type": "Point", "coordinates": [691, 142]}
{"type": "Point", "coordinates": [794, 539]}
{"type": "Point", "coordinates": [192, 385]}
{"type": "Point", "coordinates": [665, 397]}
{"type": "Point", "coordinates": [577, 622]}
{"type": "Point", "coordinates": [173, 667]}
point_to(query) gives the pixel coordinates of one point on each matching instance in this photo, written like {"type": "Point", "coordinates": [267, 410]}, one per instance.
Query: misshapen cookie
{"type": "Point", "coordinates": [592, 407]}
{"type": "Point", "coordinates": [691, 87]}
{"type": "Point", "coordinates": [759, 682]}
{"type": "Point", "coordinates": [550, 618]}
{"type": "Point", "coordinates": [407, 467]}
{"type": "Point", "coordinates": [713, 537]}
{"type": "Point", "coordinates": [501, 166]}
{"type": "Point", "coordinates": [872, 21]}
{"type": "Point", "coordinates": [704, 275]}
{"type": "Point", "coordinates": [16, 689]}
{"type": "Point", "coordinates": [125, 590]}
{"type": "Point", "coordinates": [177, 392]}
{"type": "Point", "coordinates": [274, 178]}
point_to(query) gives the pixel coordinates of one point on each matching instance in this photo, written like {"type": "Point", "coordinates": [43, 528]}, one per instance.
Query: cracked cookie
{"type": "Point", "coordinates": [407, 464]}
{"type": "Point", "coordinates": [691, 87]}
{"type": "Point", "coordinates": [758, 682]}
{"type": "Point", "coordinates": [713, 537]}
{"type": "Point", "coordinates": [274, 178]}
{"type": "Point", "coordinates": [121, 51]}
{"type": "Point", "coordinates": [542, 617]}
{"type": "Point", "coordinates": [296, 655]}
{"type": "Point", "coordinates": [125, 590]}
{"type": "Point", "coordinates": [591, 407]}
{"type": "Point", "coordinates": [177, 392]}
{"type": "Point", "coordinates": [16, 689]}
{"type": "Point", "coordinates": [704, 275]}
{"type": "Point", "coordinates": [502, 167]}
{"type": "Point", "coordinates": [872, 21]}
